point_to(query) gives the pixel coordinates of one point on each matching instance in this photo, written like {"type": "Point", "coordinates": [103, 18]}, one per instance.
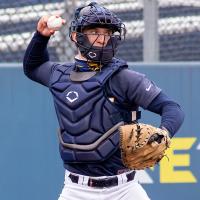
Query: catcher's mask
{"type": "Point", "coordinates": [96, 16]}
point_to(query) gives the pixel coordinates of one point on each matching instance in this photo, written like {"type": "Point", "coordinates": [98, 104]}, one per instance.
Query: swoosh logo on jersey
{"type": "Point", "coordinates": [147, 89]}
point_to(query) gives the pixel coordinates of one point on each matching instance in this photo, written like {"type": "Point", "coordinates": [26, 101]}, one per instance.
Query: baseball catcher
{"type": "Point", "coordinates": [142, 145]}
{"type": "Point", "coordinates": [95, 96]}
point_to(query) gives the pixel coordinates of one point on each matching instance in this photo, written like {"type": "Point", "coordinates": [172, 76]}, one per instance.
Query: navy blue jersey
{"type": "Point", "coordinates": [126, 86]}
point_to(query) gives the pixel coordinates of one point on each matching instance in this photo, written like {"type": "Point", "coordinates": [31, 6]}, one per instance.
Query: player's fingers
{"type": "Point", "coordinates": [45, 18]}
{"type": "Point", "coordinates": [63, 21]}
{"type": "Point", "coordinates": [59, 16]}
{"type": "Point", "coordinates": [42, 22]}
{"type": "Point", "coordinates": [52, 32]}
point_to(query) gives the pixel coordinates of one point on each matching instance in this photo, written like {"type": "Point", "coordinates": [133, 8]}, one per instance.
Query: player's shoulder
{"type": "Point", "coordinates": [125, 78]}
{"type": "Point", "coordinates": [126, 70]}
{"type": "Point", "coordinates": [119, 61]}
{"type": "Point", "coordinates": [127, 73]}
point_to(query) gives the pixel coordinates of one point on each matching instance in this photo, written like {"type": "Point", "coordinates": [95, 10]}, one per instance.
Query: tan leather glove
{"type": "Point", "coordinates": [142, 145]}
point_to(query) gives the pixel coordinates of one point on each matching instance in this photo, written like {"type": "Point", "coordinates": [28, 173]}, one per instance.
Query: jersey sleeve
{"type": "Point", "coordinates": [36, 62]}
{"type": "Point", "coordinates": [133, 88]}
{"type": "Point", "coordinates": [43, 73]}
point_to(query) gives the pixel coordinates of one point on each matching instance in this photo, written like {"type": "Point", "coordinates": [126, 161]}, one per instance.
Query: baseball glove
{"type": "Point", "coordinates": [142, 145]}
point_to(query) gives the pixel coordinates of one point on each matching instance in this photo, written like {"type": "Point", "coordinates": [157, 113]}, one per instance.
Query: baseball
{"type": "Point", "coordinates": [54, 23]}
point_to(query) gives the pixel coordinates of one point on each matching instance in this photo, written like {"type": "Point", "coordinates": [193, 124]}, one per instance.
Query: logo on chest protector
{"type": "Point", "coordinates": [72, 96]}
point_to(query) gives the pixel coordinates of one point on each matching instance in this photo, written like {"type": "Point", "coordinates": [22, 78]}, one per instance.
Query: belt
{"type": "Point", "coordinates": [103, 182]}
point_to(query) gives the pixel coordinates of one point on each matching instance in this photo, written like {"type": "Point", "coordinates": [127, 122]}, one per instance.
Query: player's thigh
{"type": "Point", "coordinates": [129, 191]}
{"type": "Point", "coordinates": [136, 192]}
{"type": "Point", "coordinates": [73, 191]}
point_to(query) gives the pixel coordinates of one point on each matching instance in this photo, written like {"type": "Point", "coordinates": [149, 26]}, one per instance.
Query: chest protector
{"type": "Point", "coordinates": [87, 118]}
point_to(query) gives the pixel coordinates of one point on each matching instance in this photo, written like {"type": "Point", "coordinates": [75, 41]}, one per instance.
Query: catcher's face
{"type": "Point", "coordinates": [96, 44]}
{"type": "Point", "coordinates": [98, 37]}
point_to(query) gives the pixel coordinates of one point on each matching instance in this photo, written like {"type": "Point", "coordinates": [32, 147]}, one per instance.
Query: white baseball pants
{"type": "Point", "coordinates": [81, 191]}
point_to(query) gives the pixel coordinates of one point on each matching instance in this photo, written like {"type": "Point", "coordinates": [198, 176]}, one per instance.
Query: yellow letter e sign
{"type": "Point", "coordinates": [167, 172]}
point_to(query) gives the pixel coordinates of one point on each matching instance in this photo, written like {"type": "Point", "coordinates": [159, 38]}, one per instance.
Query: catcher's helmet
{"type": "Point", "coordinates": [91, 16]}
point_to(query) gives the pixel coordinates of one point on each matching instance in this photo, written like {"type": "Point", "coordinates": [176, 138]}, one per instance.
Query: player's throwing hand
{"type": "Point", "coordinates": [47, 25]}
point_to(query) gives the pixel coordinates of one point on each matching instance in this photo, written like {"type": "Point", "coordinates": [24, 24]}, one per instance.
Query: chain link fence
{"type": "Point", "coordinates": [179, 28]}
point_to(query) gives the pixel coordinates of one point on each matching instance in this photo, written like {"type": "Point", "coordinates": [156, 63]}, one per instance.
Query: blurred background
{"type": "Point", "coordinates": [162, 41]}
{"type": "Point", "coordinates": [175, 24]}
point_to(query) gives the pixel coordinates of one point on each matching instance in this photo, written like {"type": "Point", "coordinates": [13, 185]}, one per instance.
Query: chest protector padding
{"type": "Point", "coordinates": [85, 114]}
